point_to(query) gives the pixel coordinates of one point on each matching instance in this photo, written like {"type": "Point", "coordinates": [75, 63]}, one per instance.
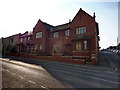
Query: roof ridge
{"type": "Point", "coordinates": [63, 24]}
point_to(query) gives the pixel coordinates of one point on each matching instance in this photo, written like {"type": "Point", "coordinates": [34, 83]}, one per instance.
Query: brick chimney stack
{"type": "Point", "coordinates": [69, 20]}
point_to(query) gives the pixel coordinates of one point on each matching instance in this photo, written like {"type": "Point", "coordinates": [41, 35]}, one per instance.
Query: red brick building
{"type": "Point", "coordinates": [73, 42]}
{"type": "Point", "coordinates": [78, 38]}
{"type": "Point", "coordinates": [25, 45]}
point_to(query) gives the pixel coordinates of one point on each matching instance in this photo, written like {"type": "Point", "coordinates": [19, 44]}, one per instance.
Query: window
{"type": "Point", "coordinates": [35, 47]}
{"type": "Point", "coordinates": [40, 47]}
{"type": "Point", "coordinates": [67, 32]}
{"type": "Point", "coordinates": [56, 35]}
{"type": "Point", "coordinates": [25, 39]}
{"type": "Point", "coordinates": [28, 38]}
{"type": "Point", "coordinates": [39, 35]}
{"type": "Point", "coordinates": [28, 48]}
{"type": "Point", "coordinates": [85, 45]}
{"type": "Point", "coordinates": [21, 39]}
{"type": "Point", "coordinates": [11, 40]}
{"type": "Point", "coordinates": [81, 30]}
{"type": "Point", "coordinates": [78, 45]}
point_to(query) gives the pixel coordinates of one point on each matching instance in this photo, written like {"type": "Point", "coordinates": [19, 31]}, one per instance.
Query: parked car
{"type": "Point", "coordinates": [111, 50]}
{"type": "Point", "coordinates": [118, 52]}
{"type": "Point", "coordinates": [114, 50]}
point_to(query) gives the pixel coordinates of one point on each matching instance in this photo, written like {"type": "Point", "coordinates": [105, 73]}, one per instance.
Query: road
{"type": "Point", "coordinates": [44, 74]}
{"type": "Point", "coordinates": [109, 59]}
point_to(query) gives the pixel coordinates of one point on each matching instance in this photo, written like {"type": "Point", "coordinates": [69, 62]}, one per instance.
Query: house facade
{"type": "Point", "coordinates": [25, 42]}
{"type": "Point", "coordinates": [9, 44]}
{"type": "Point", "coordinates": [78, 38]}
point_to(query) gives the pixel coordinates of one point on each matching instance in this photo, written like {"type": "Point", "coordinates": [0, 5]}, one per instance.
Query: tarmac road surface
{"type": "Point", "coordinates": [43, 74]}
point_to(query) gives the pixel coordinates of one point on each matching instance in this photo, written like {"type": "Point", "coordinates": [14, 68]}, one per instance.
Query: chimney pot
{"type": "Point", "coordinates": [94, 15]}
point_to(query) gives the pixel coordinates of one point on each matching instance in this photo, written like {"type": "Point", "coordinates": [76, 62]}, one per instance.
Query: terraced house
{"type": "Point", "coordinates": [75, 41]}
{"type": "Point", "coordinates": [9, 44]}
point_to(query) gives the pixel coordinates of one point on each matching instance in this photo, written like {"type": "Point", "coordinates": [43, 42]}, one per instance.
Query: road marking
{"type": "Point", "coordinates": [105, 80]}
{"type": "Point", "coordinates": [45, 87]}
{"type": "Point", "coordinates": [110, 61]}
{"type": "Point", "coordinates": [92, 77]}
{"type": "Point", "coordinates": [13, 73]}
{"type": "Point", "coordinates": [32, 82]}
{"type": "Point", "coordinates": [21, 77]}
{"type": "Point", "coordinates": [83, 68]}
{"type": "Point", "coordinates": [86, 72]}
{"type": "Point", "coordinates": [7, 70]}
{"type": "Point", "coordinates": [21, 86]}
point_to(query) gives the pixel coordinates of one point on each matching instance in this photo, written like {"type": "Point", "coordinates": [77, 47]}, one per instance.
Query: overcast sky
{"type": "Point", "coordinates": [18, 16]}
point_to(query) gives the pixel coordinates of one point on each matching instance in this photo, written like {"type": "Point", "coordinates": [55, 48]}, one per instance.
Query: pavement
{"type": "Point", "coordinates": [23, 75]}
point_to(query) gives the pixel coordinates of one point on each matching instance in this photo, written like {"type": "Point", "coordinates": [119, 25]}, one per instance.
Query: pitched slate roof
{"type": "Point", "coordinates": [63, 26]}
{"type": "Point", "coordinates": [48, 26]}
{"type": "Point", "coordinates": [58, 27]}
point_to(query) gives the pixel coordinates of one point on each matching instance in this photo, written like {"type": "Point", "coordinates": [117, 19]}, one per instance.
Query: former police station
{"type": "Point", "coordinates": [74, 42]}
